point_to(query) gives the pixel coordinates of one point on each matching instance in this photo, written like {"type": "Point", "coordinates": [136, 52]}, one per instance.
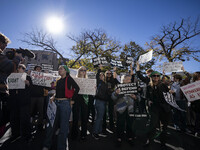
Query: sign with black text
{"type": "Point", "coordinates": [16, 81]}
{"type": "Point", "coordinates": [116, 63]}
{"type": "Point", "coordinates": [127, 88]}
{"type": "Point", "coordinates": [129, 60]}
{"type": "Point", "coordinates": [99, 60]}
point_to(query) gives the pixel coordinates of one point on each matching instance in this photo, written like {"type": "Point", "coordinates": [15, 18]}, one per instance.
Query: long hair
{"type": "Point", "coordinates": [79, 70]}
{"type": "Point", "coordinates": [106, 77]}
{"type": "Point", "coordinates": [151, 83]}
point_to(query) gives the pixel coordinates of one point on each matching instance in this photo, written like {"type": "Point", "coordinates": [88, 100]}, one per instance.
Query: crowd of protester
{"type": "Point", "coordinates": [21, 106]}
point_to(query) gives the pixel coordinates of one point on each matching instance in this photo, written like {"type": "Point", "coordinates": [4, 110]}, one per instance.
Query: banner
{"type": "Point", "coordinates": [192, 91]}
{"type": "Point", "coordinates": [172, 66]}
{"type": "Point", "coordinates": [51, 112]}
{"type": "Point", "coordinates": [87, 86]}
{"type": "Point", "coordinates": [47, 67]}
{"type": "Point", "coordinates": [41, 79]}
{"type": "Point", "coordinates": [99, 60]}
{"type": "Point", "coordinates": [145, 57]}
{"type": "Point", "coordinates": [129, 60]}
{"type": "Point", "coordinates": [169, 98]}
{"type": "Point", "coordinates": [16, 81]}
{"type": "Point", "coordinates": [116, 63]}
{"type": "Point", "coordinates": [128, 88]}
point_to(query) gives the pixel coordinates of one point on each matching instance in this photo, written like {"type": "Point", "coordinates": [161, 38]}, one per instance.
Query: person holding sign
{"type": "Point", "coordinates": [195, 105]}
{"type": "Point", "coordinates": [159, 109]}
{"type": "Point", "coordinates": [66, 90]}
{"type": "Point", "coordinates": [20, 101]}
{"type": "Point", "coordinates": [111, 82]}
{"type": "Point", "coordinates": [100, 102]}
{"type": "Point", "coordinates": [80, 107]}
{"type": "Point", "coordinates": [124, 106]}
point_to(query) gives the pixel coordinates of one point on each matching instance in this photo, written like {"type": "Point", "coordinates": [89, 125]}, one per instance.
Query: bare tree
{"type": "Point", "coordinates": [94, 43]}
{"type": "Point", "coordinates": [43, 40]}
{"type": "Point", "coordinates": [174, 42]}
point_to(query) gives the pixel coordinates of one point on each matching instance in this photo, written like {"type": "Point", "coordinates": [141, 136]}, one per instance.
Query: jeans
{"type": "Point", "coordinates": [62, 120]}
{"type": "Point", "coordinates": [100, 107]}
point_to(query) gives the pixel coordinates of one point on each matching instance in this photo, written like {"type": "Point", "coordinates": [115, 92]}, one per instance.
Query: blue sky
{"type": "Point", "coordinates": [124, 20]}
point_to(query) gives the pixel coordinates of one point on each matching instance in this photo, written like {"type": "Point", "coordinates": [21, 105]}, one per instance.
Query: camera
{"type": "Point", "coordinates": [24, 52]}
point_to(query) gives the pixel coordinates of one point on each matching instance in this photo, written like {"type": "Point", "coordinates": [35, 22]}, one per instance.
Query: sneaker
{"type": "Point", "coordinates": [103, 134]}
{"type": "Point", "coordinates": [95, 136]}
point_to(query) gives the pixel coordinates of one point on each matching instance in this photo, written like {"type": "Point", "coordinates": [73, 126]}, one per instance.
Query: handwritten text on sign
{"type": "Point", "coordinates": [41, 79]}
{"type": "Point", "coordinates": [116, 63]}
{"type": "Point", "coordinates": [172, 66]}
{"type": "Point", "coordinates": [145, 57]}
{"type": "Point", "coordinates": [128, 88]}
{"type": "Point", "coordinates": [192, 91]}
{"type": "Point", "coordinates": [16, 81]}
{"type": "Point", "coordinates": [87, 86]}
{"type": "Point", "coordinates": [99, 60]}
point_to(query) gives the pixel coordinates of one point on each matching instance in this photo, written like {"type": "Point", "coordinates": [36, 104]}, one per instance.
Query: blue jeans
{"type": "Point", "coordinates": [62, 120]}
{"type": "Point", "coordinates": [100, 107]}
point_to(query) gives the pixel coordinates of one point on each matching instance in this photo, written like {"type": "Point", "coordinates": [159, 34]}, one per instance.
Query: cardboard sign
{"type": "Point", "coordinates": [41, 79]}
{"type": "Point", "coordinates": [169, 98]}
{"type": "Point", "coordinates": [99, 60]}
{"type": "Point", "coordinates": [172, 66]}
{"type": "Point", "coordinates": [145, 57]}
{"type": "Point", "coordinates": [129, 60]}
{"type": "Point", "coordinates": [116, 63]}
{"type": "Point", "coordinates": [16, 81]}
{"type": "Point", "coordinates": [51, 112]}
{"type": "Point", "coordinates": [192, 91]}
{"type": "Point", "coordinates": [87, 86]}
{"type": "Point", "coordinates": [128, 88]}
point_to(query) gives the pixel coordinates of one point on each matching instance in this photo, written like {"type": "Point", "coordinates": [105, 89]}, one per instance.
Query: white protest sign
{"type": "Point", "coordinates": [51, 112]}
{"type": "Point", "coordinates": [129, 60]}
{"type": "Point", "coordinates": [192, 91]}
{"type": "Point", "coordinates": [172, 66]}
{"type": "Point", "coordinates": [16, 81]}
{"type": "Point", "coordinates": [128, 88]}
{"type": "Point", "coordinates": [169, 98]}
{"type": "Point", "coordinates": [41, 79]}
{"type": "Point", "coordinates": [116, 63]}
{"type": "Point", "coordinates": [87, 86]}
{"type": "Point", "coordinates": [145, 57]}
{"type": "Point", "coordinates": [99, 60]}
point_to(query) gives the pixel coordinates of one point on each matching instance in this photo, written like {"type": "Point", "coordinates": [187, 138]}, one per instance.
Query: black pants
{"type": "Point", "coordinates": [91, 108]}
{"type": "Point", "coordinates": [124, 122]}
{"type": "Point", "coordinates": [4, 111]}
{"type": "Point", "coordinates": [79, 108]}
{"type": "Point", "coordinates": [20, 118]}
{"type": "Point", "coordinates": [110, 110]}
{"type": "Point", "coordinates": [157, 116]}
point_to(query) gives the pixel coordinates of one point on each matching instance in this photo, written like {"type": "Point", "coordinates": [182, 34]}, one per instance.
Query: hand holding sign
{"type": "Point", "coordinates": [145, 57]}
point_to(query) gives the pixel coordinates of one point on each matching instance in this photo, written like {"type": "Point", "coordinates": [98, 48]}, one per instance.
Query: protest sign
{"type": "Point", "coordinates": [169, 98]}
{"type": "Point", "coordinates": [129, 60]}
{"type": "Point", "coordinates": [128, 88]}
{"type": "Point", "coordinates": [47, 67]}
{"type": "Point", "coordinates": [54, 73]}
{"type": "Point", "coordinates": [99, 60]}
{"type": "Point", "coordinates": [41, 79]}
{"type": "Point", "coordinates": [192, 91]}
{"type": "Point", "coordinates": [30, 66]}
{"type": "Point", "coordinates": [116, 63]}
{"type": "Point", "coordinates": [51, 112]}
{"type": "Point", "coordinates": [172, 66]}
{"type": "Point", "coordinates": [87, 86]}
{"type": "Point", "coordinates": [145, 57]}
{"type": "Point", "coordinates": [16, 81]}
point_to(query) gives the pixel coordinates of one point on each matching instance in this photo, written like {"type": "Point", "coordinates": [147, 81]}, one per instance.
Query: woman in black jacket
{"type": "Point", "coordinates": [159, 109]}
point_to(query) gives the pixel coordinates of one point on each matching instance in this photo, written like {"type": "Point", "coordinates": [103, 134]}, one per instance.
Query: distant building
{"type": "Point", "coordinates": [47, 59]}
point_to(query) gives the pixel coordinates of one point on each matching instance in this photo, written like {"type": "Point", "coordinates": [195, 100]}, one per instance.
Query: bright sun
{"type": "Point", "coordinates": [55, 24]}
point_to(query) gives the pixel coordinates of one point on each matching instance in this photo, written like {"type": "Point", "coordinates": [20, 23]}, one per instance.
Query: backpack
{"type": "Point", "coordinates": [68, 92]}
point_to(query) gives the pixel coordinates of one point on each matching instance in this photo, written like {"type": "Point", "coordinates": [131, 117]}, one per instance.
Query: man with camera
{"type": "Point", "coordinates": [7, 66]}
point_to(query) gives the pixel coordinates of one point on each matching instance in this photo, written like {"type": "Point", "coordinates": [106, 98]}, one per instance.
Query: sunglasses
{"type": "Point", "coordinates": [155, 75]}
{"type": "Point", "coordinates": [108, 73]}
{"type": "Point", "coordinates": [83, 70]}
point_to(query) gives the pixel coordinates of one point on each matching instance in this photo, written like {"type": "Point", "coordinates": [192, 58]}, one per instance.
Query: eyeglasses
{"type": "Point", "coordinates": [83, 70]}
{"type": "Point", "coordinates": [155, 75]}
